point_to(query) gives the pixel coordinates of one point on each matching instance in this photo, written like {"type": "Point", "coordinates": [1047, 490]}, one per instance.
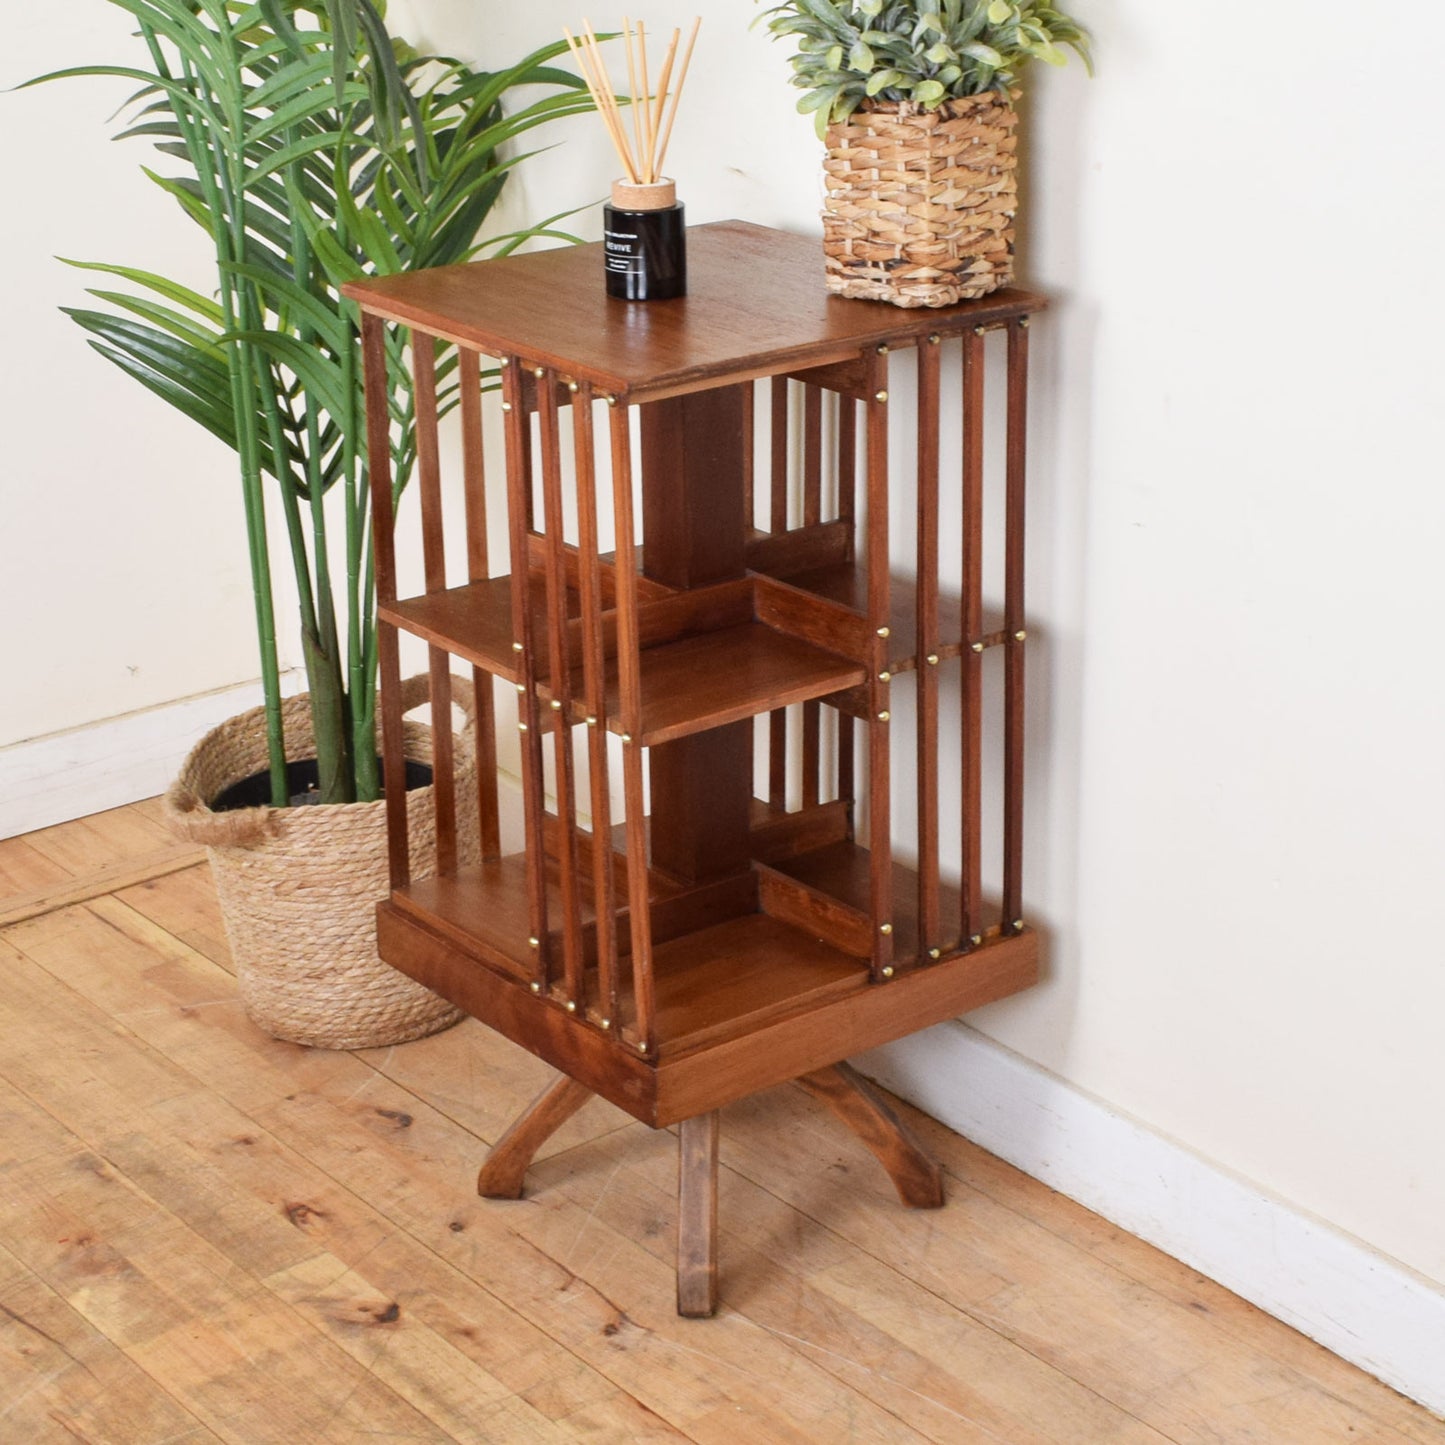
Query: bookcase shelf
{"type": "Point", "coordinates": [669, 935]}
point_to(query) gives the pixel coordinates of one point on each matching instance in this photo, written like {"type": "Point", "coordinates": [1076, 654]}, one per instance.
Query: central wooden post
{"type": "Point", "coordinates": [694, 532]}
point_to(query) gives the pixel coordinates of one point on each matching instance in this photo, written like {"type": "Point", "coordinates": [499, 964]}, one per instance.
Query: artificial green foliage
{"type": "Point", "coordinates": [313, 149]}
{"type": "Point", "coordinates": [923, 52]}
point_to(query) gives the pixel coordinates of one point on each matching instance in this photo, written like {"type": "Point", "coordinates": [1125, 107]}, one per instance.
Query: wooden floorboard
{"type": "Point", "coordinates": [206, 1234]}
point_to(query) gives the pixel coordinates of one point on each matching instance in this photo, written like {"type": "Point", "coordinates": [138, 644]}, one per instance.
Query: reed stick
{"type": "Point", "coordinates": [644, 164]}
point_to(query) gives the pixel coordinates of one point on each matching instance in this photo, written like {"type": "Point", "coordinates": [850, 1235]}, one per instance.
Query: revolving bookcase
{"type": "Point", "coordinates": [704, 900]}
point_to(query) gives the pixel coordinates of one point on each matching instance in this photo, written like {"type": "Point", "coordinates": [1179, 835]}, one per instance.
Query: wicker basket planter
{"type": "Point", "coordinates": [299, 886]}
{"type": "Point", "coordinates": [920, 204]}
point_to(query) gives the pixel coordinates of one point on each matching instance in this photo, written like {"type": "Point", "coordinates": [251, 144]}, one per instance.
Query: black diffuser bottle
{"type": "Point", "coordinates": [644, 242]}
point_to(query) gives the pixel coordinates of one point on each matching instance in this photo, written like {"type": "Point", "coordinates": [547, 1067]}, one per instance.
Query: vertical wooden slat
{"type": "Point", "coordinates": [378, 444]}
{"type": "Point", "coordinates": [630, 702]}
{"type": "Point", "coordinates": [812, 752]}
{"type": "Point", "coordinates": [778, 522]}
{"type": "Point", "coordinates": [560, 684]}
{"type": "Point", "coordinates": [812, 456]}
{"type": "Point", "coordinates": [812, 515]}
{"type": "Point", "coordinates": [524, 646]}
{"type": "Point", "coordinates": [1013, 764]}
{"type": "Point", "coordinates": [927, 663]}
{"type": "Point", "coordinates": [444, 792]}
{"type": "Point", "coordinates": [880, 842]}
{"type": "Point", "coordinates": [594, 684]}
{"type": "Point", "coordinates": [971, 756]}
{"type": "Point", "coordinates": [749, 457]}
{"type": "Point", "coordinates": [848, 468]}
{"type": "Point", "coordinates": [847, 514]}
{"type": "Point", "coordinates": [478, 570]}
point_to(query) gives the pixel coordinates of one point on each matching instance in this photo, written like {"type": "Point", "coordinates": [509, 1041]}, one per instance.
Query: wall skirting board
{"type": "Point", "coordinates": [107, 764]}
{"type": "Point", "coordinates": [1363, 1306]}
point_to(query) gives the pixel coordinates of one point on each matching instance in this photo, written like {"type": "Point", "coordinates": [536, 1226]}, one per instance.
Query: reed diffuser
{"type": "Point", "coordinates": [644, 241]}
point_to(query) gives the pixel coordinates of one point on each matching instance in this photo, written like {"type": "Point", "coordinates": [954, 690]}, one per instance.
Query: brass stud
{"type": "Point", "coordinates": [980, 330]}
{"type": "Point", "coordinates": [883, 349]}
{"type": "Point", "coordinates": [978, 647]}
{"type": "Point", "coordinates": [976, 939]}
{"type": "Point", "coordinates": [533, 943]}
{"type": "Point", "coordinates": [627, 737]}
{"type": "Point", "coordinates": [884, 716]}
{"type": "Point", "coordinates": [539, 371]}
{"type": "Point", "coordinates": [518, 647]}
{"type": "Point", "coordinates": [932, 659]}
{"type": "Point", "coordinates": [611, 401]}
{"type": "Point", "coordinates": [556, 705]}
{"type": "Point", "coordinates": [881, 396]}
{"type": "Point", "coordinates": [536, 987]}
{"type": "Point", "coordinates": [888, 970]}
{"type": "Point", "coordinates": [571, 1006]}
{"type": "Point", "coordinates": [573, 387]}
{"type": "Point", "coordinates": [1020, 635]}
{"type": "Point", "coordinates": [506, 406]}
{"type": "Point", "coordinates": [935, 339]}
{"type": "Point", "coordinates": [521, 727]}
{"type": "Point", "coordinates": [885, 677]}
{"type": "Point", "coordinates": [592, 722]}
{"type": "Point", "coordinates": [1018, 925]}
{"type": "Point", "coordinates": [935, 953]}
{"type": "Point", "coordinates": [884, 632]}
{"type": "Point", "coordinates": [885, 928]}
{"type": "Point", "coordinates": [606, 1023]}
{"type": "Point", "coordinates": [1023, 323]}
{"type": "Point", "coordinates": [522, 687]}
{"type": "Point", "coordinates": [642, 1047]}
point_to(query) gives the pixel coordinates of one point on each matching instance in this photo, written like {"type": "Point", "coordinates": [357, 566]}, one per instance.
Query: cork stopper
{"type": "Point", "coordinates": [656, 197]}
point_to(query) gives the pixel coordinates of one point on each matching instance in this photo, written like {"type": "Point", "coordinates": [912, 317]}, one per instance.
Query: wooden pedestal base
{"type": "Point", "coordinates": [915, 1174]}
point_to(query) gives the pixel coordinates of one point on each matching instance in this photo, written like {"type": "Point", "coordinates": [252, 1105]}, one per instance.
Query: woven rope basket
{"type": "Point", "coordinates": [299, 886]}
{"type": "Point", "coordinates": [920, 205]}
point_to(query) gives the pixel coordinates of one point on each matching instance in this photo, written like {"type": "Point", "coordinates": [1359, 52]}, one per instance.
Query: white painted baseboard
{"type": "Point", "coordinates": [1365, 1307]}
{"type": "Point", "coordinates": [110, 763]}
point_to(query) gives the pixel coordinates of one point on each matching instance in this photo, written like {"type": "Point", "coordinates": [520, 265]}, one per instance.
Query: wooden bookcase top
{"type": "Point", "coordinates": [756, 306]}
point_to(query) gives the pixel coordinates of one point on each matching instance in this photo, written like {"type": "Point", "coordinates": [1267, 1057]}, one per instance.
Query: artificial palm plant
{"type": "Point", "coordinates": [313, 149]}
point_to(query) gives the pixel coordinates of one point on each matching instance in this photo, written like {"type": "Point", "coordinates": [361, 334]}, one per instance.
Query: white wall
{"type": "Point", "coordinates": [1237, 815]}
{"type": "Point", "coordinates": [121, 546]}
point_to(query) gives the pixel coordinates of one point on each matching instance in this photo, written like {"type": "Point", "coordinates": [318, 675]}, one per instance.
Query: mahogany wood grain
{"type": "Point", "coordinates": [697, 1142]}
{"type": "Point", "coordinates": [971, 687]}
{"type": "Point", "coordinates": [775, 834]}
{"type": "Point", "coordinates": [1014, 621]}
{"type": "Point", "coordinates": [754, 307]}
{"type": "Point", "coordinates": [626, 707]}
{"type": "Point", "coordinates": [819, 914]}
{"type": "Point", "coordinates": [378, 436]}
{"type": "Point", "coordinates": [594, 665]}
{"type": "Point", "coordinates": [812, 456]}
{"type": "Point", "coordinates": [916, 1175]}
{"type": "Point", "coordinates": [474, 475]}
{"type": "Point", "coordinates": [559, 688]}
{"type": "Point", "coordinates": [778, 528]}
{"type": "Point", "coordinates": [848, 464]}
{"type": "Point", "coordinates": [810, 618]}
{"type": "Point", "coordinates": [879, 727]}
{"type": "Point", "coordinates": [505, 1170]}
{"type": "Point", "coordinates": [927, 656]}
{"type": "Point", "coordinates": [781, 554]}
{"type": "Point", "coordinates": [444, 791]}
{"type": "Point", "coordinates": [524, 645]}
{"type": "Point", "coordinates": [715, 678]}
